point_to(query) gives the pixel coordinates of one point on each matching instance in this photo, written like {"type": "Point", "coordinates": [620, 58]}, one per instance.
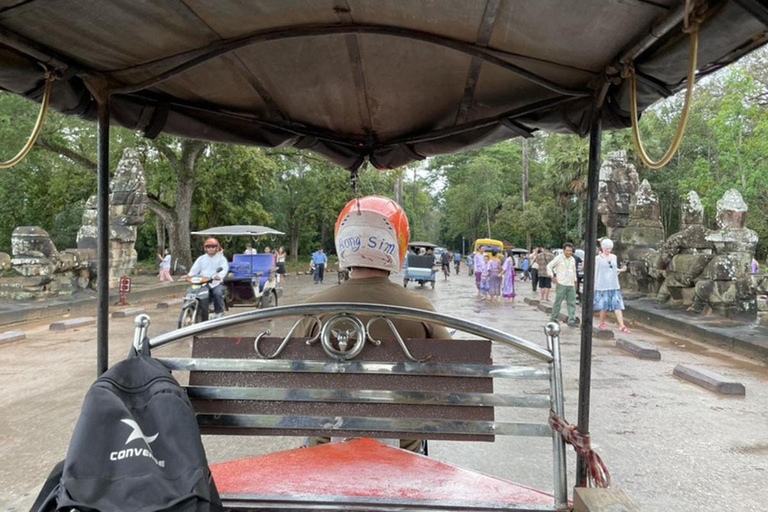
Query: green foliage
{"type": "Point", "coordinates": [448, 198]}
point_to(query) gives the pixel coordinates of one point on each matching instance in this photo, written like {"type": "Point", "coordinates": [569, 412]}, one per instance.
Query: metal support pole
{"type": "Point", "coordinates": [587, 304]}
{"type": "Point", "coordinates": [102, 263]}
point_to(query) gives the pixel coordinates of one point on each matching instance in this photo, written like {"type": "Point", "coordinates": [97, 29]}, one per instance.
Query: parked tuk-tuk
{"type": "Point", "coordinates": [385, 84]}
{"type": "Point", "coordinates": [418, 267]}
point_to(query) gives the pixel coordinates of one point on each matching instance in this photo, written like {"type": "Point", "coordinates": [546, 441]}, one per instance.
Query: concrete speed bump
{"type": "Point", "coordinates": [531, 302]}
{"type": "Point", "coordinates": [11, 336]}
{"type": "Point", "coordinates": [546, 308]}
{"type": "Point", "coordinates": [602, 334]}
{"type": "Point", "coordinates": [639, 349]}
{"type": "Point", "coordinates": [170, 303]}
{"type": "Point", "coordinates": [128, 312]}
{"type": "Point", "coordinates": [709, 380]}
{"type": "Point", "coordinates": [73, 323]}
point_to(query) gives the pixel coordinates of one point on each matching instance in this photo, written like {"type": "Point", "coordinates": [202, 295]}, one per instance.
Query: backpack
{"type": "Point", "coordinates": [136, 447]}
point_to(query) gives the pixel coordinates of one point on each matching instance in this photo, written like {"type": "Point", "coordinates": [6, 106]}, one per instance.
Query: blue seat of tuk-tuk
{"type": "Point", "coordinates": [246, 266]}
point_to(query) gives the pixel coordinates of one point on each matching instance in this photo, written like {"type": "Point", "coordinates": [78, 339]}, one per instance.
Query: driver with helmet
{"type": "Point", "coordinates": [371, 241]}
{"type": "Point", "coordinates": [214, 266]}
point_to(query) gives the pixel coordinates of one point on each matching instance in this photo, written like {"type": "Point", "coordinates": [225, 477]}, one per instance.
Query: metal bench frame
{"type": "Point", "coordinates": [342, 361]}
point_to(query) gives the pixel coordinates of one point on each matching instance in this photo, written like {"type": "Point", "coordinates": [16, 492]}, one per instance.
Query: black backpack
{"type": "Point", "coordinates": [136, 447]}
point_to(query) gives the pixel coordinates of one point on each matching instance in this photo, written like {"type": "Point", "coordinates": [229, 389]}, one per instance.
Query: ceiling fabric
{"type": "Point", "coordinates": [386, 81]}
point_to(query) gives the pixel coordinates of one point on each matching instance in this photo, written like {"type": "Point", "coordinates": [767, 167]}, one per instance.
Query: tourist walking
{"type": "Point", "coordinates": [319, 260]}
{"type": "Point", "coordinates": [543, 259]}
{"type": "Point", "coordinates": [526, 268]}
{"type": "Point", "coordinates": [457, 261]}
{"type": "Point", "coordinates": [607, 289]}
{"type": "Point", "coordinates": [280, 262]}
{"type": "Point", "coordinates": [471, 264]}
{"type": "Point", "coordinates": [493, 269]}
{"type": "Point", "coordinates": [534, 267]}
{"type": "Point", "coordinates": [484, 291]}
{"type": "Point", "coordinates": [508, 279]}
{"type": "Point", "coordinates": [165, 266]}
{"type": "Point", "coordinates": [479, 265]}
{"type": "Point", "coordinates": [563, 272]}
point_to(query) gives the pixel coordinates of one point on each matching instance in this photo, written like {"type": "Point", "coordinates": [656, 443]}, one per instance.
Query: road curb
{"type": "Point", "coordinates": [752, 344]}
{"type": "Point", "coordinates": [709, 380]}
{"type": "Point", "coordinates": [81, 306]}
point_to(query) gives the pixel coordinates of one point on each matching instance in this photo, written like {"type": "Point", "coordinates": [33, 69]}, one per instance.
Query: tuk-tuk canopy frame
{"type": "Point", "coordinates": [357, 81]}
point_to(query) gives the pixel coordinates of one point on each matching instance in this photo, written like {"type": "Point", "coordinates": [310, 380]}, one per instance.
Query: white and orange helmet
{"type": "Point", "coordinates": [372, 232]}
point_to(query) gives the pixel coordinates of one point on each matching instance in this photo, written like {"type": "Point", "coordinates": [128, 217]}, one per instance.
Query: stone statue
{"type": "Point", "coordinates": [127, 205]}
{"type": "Point", "coordinates": [725, 284]}
{"type": "Point", "coordinates": [46, 272]}
{"type": "Point", "coordinates": [619, 183]}
{"type": "Point", "coordinates": [639, 240]}
{"type": "Point", "coordinates": [685, 255]}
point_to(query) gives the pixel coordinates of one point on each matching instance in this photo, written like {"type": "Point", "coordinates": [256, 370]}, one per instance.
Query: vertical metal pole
{"type": "Point", "coordinates": [552, 331]}
{"type": "Point", "coordinates": [102, 263]}
{"type": "Point", "coordinates": [587, 304]}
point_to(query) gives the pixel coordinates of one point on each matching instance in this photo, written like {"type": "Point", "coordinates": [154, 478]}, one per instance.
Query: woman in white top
{"type": "Point", "coordinates": [607, 289]}
{"type": "Point", "coordinates": [280, 261]}
{"type": "Point", "coordinates": [165, 266]}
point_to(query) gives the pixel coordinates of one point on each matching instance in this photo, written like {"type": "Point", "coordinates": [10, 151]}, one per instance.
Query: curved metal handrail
{"type": "Point", "coordinates": [355, 308]}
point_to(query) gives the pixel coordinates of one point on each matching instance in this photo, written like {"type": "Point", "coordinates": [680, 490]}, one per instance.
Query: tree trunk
{"type": "Point", "coordinates": [580, 241]}
{"type": "Point", "coordinates": [525, 172]}
{"type": "Point", "coordinates": [295, 233]}
{"type": "Point", "coordinates": [160, 228]}
{"type": "Point", "coordinates": [488, 219]}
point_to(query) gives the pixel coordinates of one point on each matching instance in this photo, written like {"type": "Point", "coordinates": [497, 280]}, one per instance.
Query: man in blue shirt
{"type": "Point", "coordinates": [457, 261]}
{"type": "Point", "coordinates": [319, 259]}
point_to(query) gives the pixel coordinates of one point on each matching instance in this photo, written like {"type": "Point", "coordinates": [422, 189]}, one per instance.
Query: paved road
{"type": "Point", "coordinates": [671, 445]}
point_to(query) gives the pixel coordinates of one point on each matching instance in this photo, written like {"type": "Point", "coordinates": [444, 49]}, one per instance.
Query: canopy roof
{"type": "Point", "coordinates": [387, 81]}
{"type": "Point", "coordinates": [426, 245]}
{"type": "Point", "coordinates": [238, 231]}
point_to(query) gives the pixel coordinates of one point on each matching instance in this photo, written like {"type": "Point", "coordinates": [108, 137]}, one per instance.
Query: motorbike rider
{"type": "Point", "coordinates": [212, 265]}
{"type": "Point", "coordinates": [383, 220]}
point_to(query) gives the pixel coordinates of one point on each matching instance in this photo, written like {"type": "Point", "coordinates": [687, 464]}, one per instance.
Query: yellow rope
{"type": "Point", "coordinates": [49, 77]}
{"type": "Point", "coordinates": [694, 31]}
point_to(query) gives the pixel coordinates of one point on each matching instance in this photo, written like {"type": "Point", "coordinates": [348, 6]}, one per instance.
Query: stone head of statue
{"type": "Point", "coordinates": [731, 210]}
{"type": "Point", "coordinates": [692, 211]}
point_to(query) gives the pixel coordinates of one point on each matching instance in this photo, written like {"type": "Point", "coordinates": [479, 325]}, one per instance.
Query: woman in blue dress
{"type": "Point", "coordinates": [607, 289]}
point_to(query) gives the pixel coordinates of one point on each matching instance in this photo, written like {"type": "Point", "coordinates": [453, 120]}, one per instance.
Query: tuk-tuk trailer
{"type": "Point", "coordinates": [420, 268]}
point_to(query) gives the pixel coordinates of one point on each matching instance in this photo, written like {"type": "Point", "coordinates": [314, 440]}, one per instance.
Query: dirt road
{"type": "Point", "coordinates": [671, 445]}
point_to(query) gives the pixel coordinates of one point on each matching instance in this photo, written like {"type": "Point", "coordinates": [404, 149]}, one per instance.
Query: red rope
{"type": "Point", "coordinates": [597, 471]}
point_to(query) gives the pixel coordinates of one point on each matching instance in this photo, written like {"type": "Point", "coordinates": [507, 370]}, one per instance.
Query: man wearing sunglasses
{"type": "Point", "coordinates": [214, 266]}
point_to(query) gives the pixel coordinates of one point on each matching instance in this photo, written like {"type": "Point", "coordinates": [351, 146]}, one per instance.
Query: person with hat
{"type": "Point", "coordinates": [371, 238]}
{"type": "Point", "coordinates": [212, 265]}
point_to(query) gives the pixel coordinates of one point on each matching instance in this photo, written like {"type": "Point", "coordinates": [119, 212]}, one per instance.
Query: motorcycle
{"type": "Point", "coordinates": [197, 305]}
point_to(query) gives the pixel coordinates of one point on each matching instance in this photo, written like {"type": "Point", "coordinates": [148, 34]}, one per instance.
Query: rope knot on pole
{"type": "Point", "coordinates": [598, 473]}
